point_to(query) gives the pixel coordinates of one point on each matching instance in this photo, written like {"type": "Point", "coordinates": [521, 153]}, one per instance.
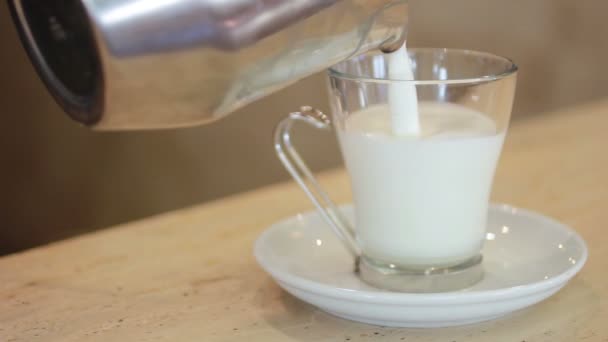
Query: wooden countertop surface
{"type": "Point", "coordinates": [189, 275]}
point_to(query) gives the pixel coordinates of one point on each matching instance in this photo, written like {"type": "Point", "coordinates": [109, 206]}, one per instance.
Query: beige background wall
{"type": "Point", "coordinates": [60, 179]}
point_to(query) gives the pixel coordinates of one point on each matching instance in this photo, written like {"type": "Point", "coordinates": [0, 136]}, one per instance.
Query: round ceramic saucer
{"type": "Point", "coordinates": [527, 258]}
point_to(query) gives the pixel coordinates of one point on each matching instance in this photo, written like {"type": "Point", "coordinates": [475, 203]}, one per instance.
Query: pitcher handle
{"type": "Point", "coordinates": [294, 164]}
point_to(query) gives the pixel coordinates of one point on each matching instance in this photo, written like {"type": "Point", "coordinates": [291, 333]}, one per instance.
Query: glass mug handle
{"type": "Point", "coordinates": [294, 164]}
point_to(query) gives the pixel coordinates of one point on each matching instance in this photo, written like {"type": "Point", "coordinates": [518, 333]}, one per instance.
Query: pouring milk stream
{"type": "Point", "coordinates": [403, 100]}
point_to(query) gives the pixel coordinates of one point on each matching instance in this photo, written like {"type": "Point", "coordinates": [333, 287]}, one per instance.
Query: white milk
{"type": "Point", "coordinates": [402, 96]}
{"type": "Point", "coordinates": [422, 200]}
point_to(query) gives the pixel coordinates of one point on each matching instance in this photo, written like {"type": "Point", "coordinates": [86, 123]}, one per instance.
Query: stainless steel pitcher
{"type": "Point", "coordinates": [141, 64]}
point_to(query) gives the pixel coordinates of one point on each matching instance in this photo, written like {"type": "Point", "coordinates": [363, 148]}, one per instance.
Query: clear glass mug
{"type": "Point", "coordinates": [420, 201]}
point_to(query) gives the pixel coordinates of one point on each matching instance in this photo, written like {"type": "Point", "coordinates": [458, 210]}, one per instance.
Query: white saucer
{"type": "Point", "coordinates": [527, 258]}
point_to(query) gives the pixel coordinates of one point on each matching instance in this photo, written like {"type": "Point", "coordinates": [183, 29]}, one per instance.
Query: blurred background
{"type": "Point", "coordinates": [59, 179]}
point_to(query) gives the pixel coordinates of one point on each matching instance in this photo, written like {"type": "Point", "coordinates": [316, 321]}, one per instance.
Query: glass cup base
{"type": "Point", "coordinates": [428, 280]}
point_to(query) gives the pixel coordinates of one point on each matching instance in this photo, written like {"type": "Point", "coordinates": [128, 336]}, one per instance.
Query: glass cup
{"type": "Point", "coordinates": [420, 197]}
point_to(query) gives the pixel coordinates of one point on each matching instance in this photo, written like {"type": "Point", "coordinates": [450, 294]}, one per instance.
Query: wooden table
{"type": "Point", "coordinates": [189, 275]}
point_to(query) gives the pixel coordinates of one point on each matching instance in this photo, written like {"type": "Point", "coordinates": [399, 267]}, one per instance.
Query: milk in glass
{"type": "Point", "coordinates": [421, 199]}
